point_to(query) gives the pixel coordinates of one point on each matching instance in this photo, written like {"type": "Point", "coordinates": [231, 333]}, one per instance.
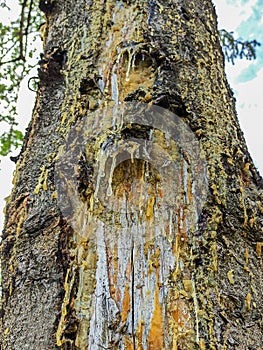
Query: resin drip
{"type": "Point", "coordinates": [132, 241]}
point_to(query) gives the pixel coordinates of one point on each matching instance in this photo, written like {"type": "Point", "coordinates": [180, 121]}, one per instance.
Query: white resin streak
{"type": "Point", "coordinates": [130, 239]}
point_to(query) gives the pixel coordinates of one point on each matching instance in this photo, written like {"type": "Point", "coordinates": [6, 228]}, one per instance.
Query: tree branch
{"type": "Point", "coordinates": [21, 34]}
{"type": "Point", "coordinates": [22, 19]}
{"type": "Point", "coordinates": [28, 23]}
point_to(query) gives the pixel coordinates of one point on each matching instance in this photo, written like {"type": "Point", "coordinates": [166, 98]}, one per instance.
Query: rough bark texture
{"type": "Point", "coordinates": [148, 278]}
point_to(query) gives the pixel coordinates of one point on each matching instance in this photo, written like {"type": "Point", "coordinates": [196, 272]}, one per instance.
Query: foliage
{"type": "Point", "coordinates": [237, 48]}
{"type": "Point", "coordinates": [17, 45]}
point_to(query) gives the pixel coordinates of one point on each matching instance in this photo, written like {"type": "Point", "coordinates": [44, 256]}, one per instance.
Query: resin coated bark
{"type": "Point", "coordinates": [104, 249]}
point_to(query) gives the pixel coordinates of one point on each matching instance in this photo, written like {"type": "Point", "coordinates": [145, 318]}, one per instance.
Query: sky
{"type": "Point", "coordinates": [245, 19]}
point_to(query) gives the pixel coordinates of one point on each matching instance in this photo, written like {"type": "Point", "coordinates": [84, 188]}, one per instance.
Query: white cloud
{"type": "Point", "coordinates": [231, 13]}
{"type": "Point", "coordinates": [250, 114]}
{"type": "Point", "coordinates": [7, 168]}
{"type": "Point", "coordinates": [250, 93]}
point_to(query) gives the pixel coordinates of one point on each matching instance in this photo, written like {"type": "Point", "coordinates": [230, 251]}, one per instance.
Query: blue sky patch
{"type": "Point", "coordinates": [251, 29]}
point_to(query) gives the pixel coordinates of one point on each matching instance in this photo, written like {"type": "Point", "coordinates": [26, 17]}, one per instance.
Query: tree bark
{"type": "Point", "coordinates": [135, 221]}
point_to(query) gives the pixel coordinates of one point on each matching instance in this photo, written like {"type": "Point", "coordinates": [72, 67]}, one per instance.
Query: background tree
{"type": "Point", "coordinates": [16, 49]}
{"type": "Point", "coordinates": [72, 278]}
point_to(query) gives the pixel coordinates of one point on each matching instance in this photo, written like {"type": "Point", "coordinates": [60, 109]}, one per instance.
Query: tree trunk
{"type": "Point", "coordinates": [135, 221]}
